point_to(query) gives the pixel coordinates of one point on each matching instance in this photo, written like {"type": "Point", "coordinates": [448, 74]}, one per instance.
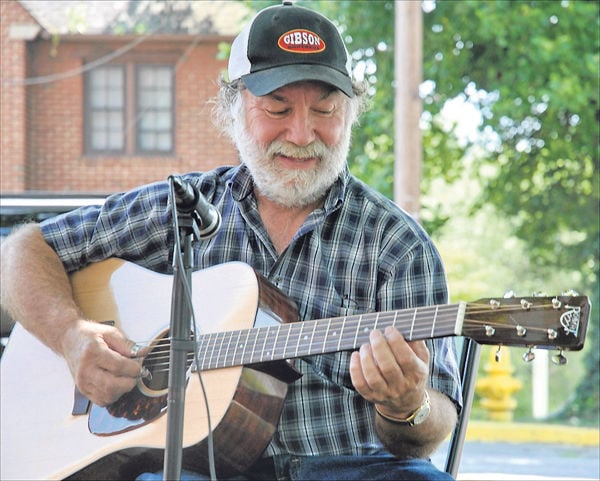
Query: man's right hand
{"type": "Point", "coordinates": [101, 360]}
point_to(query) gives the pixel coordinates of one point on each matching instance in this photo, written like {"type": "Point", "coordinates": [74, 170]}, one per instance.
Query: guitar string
{"type": "Point", "coordinates": [230, 358]}
{"type": "Point", "coordinates": [263, 335]}
{"type": "Point", "coordinates": [295, 335]}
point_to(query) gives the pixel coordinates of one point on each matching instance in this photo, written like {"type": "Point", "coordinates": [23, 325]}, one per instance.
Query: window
{"type": "Point", "coordinates": [154, 109]}
{"type": "Point", "coordinates": [129, 110]}
{"type": "Point", "coordinates": [107, 109]}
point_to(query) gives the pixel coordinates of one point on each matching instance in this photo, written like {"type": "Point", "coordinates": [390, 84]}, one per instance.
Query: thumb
{"type": "Point", "coordinates": [118, 342]}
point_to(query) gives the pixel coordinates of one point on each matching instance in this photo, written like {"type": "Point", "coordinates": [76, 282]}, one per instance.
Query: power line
{"type": "Point", "coordinates": [45, 79]}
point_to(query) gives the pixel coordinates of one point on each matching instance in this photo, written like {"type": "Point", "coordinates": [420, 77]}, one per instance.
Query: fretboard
{"type": "Point", "coordinates": [307, 338]}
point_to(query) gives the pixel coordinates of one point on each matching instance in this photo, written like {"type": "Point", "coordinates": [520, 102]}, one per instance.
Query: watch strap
{"type": "Point", "coordinates": [424, 408]}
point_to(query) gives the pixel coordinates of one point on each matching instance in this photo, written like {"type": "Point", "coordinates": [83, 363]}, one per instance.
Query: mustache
{"type": "Point", "coordinates": [315, 149]}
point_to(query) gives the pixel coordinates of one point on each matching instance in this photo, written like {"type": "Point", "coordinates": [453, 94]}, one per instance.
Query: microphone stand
{"type": "Point", "coordinates": [181, 345]}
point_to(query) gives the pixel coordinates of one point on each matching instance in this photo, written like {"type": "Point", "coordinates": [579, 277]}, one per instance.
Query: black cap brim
{"type": "Point", "coordinates": [266, 81]}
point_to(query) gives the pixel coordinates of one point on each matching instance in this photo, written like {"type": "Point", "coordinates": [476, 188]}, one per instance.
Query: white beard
{"type": "Point", "coordinates": [288, 187]}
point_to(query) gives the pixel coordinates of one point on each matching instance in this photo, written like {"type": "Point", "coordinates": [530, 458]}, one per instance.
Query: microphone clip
{"type": "Point", "coordinates": [190, 202]}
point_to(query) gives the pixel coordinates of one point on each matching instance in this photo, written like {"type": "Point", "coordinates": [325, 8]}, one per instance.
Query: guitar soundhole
{"type": "Point", "coordinates": [157, 364]}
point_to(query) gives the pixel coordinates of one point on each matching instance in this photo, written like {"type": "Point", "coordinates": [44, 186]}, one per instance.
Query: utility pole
{"type": "Point", "coordinates": [408, 73]}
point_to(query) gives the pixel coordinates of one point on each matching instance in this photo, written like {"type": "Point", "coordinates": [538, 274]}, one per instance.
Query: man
{"type": "Point", "coordinates": [293, 212]}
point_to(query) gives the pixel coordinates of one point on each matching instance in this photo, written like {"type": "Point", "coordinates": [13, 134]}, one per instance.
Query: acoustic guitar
{"type": "Point", "coordinates": [248, 334]}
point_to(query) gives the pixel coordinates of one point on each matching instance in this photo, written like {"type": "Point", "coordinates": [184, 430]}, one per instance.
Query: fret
{"type": "Point", "coordinates": [212, 356]}
{"type": "Point", "coordinates": [341, 338]}
{"type": "Point", "coordinates": [273, 352]}
{"type": "Point", "coordinates": [356, 332]}
{"type": "Point", "coordinates": [412, 324]}
{"type": "Point", "coordinates": [312, 337]}
{"type": "Point", "coordinates": [265, 353]}
{"type": "Point", "coordinates": [236, 359]}
{"type": "Point", "coordinates": [302, 324]}
{"type": "Point", "coordinates": [326, 336]}
{"type": "Point", "coordinates": [205, 349]}
{"type": "Point", "coordinates": [219, 339]}
{"type": "Point", "coordinates": [433, 322]}
{"type": "Point", "coordinates": [332, 339]}
{"type": "Point", "coordinates": [287, 338]}
{"type": "Point", "coordinates": [245, 335]}
{"type": "Point", "coordinates": [217, 358]}
{"type": "Point", "coordinates": [224, 362]}
{"type": "Point", "coordinates": [201, 342]}
{"type": "Point", "coordinates": [254, 333]}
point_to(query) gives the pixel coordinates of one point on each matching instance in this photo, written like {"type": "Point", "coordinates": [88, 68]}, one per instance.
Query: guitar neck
{"type": "Point", "coordinates": [293, 340]}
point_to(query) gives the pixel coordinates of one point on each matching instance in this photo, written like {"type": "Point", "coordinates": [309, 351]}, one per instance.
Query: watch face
{"type": "Point", "coordinates": [421, 415]}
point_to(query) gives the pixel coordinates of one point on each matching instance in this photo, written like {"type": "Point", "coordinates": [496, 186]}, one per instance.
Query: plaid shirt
{"type": "Point", "coordinates": [358, 253]}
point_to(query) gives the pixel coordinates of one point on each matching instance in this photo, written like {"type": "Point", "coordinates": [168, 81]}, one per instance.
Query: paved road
{"type": "Point", "coordinates": [520, 461]}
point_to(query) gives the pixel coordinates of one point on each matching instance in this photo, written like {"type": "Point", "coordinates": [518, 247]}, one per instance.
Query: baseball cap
{"type": "Point", "coordinates": [286, 43]}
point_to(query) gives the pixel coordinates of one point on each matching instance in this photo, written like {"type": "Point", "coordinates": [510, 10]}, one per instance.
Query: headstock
{"type": "Point", "coordinates": [558, 322]}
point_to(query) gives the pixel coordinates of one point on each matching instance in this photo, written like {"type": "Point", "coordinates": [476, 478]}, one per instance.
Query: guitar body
{"type": "Point", "coordinates": [38, 390]}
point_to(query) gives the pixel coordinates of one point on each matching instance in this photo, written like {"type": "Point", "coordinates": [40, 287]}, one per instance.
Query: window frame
{"type": "Point", "coordinates": [131, 90]}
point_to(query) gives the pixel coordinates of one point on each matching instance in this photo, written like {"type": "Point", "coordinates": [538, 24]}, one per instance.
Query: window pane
{"type": "Point", "coordinates": [99, 140]}
{"type": "Point", "coordinates": [115, 99]}
{"type": "Point", "coordinates": [115, 77]}
{"type": "Point", "coordinates": [154, 108]}
{"type": "Point", "coordinates": [115, 140]}
{"type": "Point", "coordinates": [105, 109]}
{"type": "Point", "coordinates": [162, 100]}
{"type": "Point", "coordinates": [98, 98]}
{"type": "Point", "coordinates": [163, 121]}
{"type": "Point", "coordinates": [147, 121]}
{"type": "Point", "coordinates": [147, 141]}
{"type": "Point", "coordinates": [115, 122]}
{"type": "Point", "coordinates": [163, 142]}
{"type": "Point", "coordinates": [99, 121]}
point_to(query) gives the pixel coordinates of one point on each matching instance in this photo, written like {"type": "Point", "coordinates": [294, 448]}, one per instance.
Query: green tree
{"type": "Point", "coordinates": [531, 68]}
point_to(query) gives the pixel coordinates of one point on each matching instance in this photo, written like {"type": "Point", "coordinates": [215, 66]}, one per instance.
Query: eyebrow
{"type": "Point", "coordinates": [328, 90]}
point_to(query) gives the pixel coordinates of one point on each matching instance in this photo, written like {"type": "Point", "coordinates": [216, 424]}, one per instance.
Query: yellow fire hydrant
{"type": "Point", "coordinates": [496, 389]}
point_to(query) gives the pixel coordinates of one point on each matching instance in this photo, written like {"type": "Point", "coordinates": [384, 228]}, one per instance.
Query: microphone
{"type": "Point", "coordinates": [190, 200]}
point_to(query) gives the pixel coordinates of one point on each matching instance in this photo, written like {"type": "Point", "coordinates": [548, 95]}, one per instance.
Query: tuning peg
{"type": "Point", "coordinates": [559, 359]}
{"type": "Point", "coordinates": [529, 355]}
{"type": "Point", "coordinates": [539, 294]}
{"type": "Point", "coordinates": [525, 304]}
{"type": "Point", "coordinates": [498, 354]}
{"type": "Point", "coordinates": [509, 294]}
{"type": "Point", "coordinates": [571, 293]}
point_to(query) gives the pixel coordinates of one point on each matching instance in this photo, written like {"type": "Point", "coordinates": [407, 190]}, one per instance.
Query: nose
{"type": "Point", "coordinates": [300, 128]}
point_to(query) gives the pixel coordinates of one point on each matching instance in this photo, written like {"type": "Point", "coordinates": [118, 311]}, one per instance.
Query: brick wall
{"type": "Point", "coordinates": [44, 150]}
{"type": "Point", "coordinates": [13, 54]}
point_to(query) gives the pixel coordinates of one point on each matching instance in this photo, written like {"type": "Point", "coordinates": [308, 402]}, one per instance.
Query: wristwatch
{"type": "Point", "coordinates": [415, 418]}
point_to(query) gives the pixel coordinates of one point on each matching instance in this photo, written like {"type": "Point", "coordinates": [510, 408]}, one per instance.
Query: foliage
{"type": "Point", "coordinates": [531, 68]}
{"type": "Point", "coordinates": [527, 71]}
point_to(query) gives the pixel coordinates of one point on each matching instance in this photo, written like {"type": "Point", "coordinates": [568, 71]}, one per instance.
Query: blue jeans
{"type": "Point", "coordinates": [328, 468]}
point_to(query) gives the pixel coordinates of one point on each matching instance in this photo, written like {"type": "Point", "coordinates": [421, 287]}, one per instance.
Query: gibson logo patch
{"type": "Point", "coordinates": [300, 40]}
